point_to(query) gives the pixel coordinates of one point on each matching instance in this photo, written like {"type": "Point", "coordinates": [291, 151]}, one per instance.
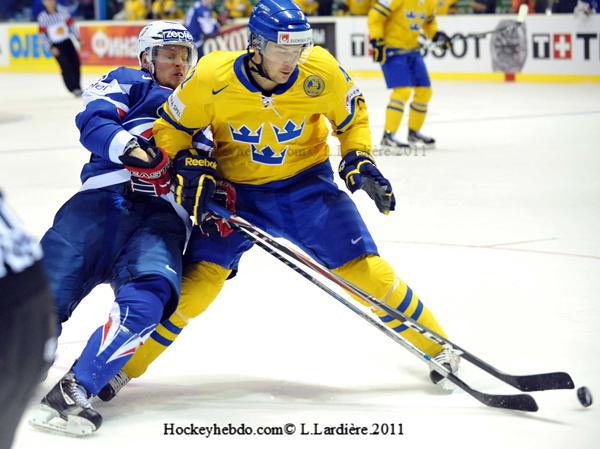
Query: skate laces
{"type": "Point", "coordinates": [449, 357]}
{"type": "Point", "coordinates": [76, 392]}
{"type": "Point", "coordinates": [119, 381]}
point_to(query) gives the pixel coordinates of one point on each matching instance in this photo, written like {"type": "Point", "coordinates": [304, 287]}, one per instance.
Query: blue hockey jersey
{"type": "Point", "coordinates": [200, 22]}
{"type": "Point", "coordinates": [121, 105]}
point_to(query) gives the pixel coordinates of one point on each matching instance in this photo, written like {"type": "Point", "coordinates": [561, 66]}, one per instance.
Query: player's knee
{"type": "Point", "coordinates": [371, 273]}
{"type": "Point", "coordinates": [202, 282]}
{"type": "Point", "coordinates": [401, 94]}
{"type": "Point", "coordinates": [422, 95]}
{"type": "Point", "coordinates": [144, 301]}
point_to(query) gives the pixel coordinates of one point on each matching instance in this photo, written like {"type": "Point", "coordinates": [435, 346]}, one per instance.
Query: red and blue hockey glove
{"type": "Point", "coordinates": [213, 224]}
{"type": "Point", "coordinates": [151, 176]}
{"type": "Point", "coordinates": [379, 50]}
{"type": "Point", "coordinates": [194, 181]}
{"type": "Point", "coordinates": [442, 40]}
{"type": "Point", "coordinates": [358, 171]}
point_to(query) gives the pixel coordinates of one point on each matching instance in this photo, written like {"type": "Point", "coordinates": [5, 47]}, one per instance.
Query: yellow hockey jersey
{"type": "Point", "coordinates": [357, 7]}
{"type": "Point", "coordinates": [258, 138]}
{"type": "Point", "coordinates": [308, 7]}
{"type": "Point", "coordinates": [399, 22]}
{"type": "Point", "coordinates": [238, 8]}
{"type": "Point", "coordinates": [445, 7]}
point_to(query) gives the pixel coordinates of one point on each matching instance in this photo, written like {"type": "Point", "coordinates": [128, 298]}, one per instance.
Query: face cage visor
{"type": "Point", "coordinates": [188, 59]}
{"type": "Point", "coordinates": [291, 53]}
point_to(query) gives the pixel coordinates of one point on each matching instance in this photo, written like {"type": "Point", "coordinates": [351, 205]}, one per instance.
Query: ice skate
{"type": "Point", "coordinates": [67, 409]}
{"type": "Point", "coordinates": [112, 388]}
{"type": "Point", "coordinates": [393, 145]}
{"type": "Point", "coordinates": [450, 359]}
{"type": "Point", "coordinates": [418, 140]}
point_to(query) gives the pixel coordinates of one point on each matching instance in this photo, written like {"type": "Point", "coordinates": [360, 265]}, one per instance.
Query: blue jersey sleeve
{"type": "Point", "coordinates": [106, 104]}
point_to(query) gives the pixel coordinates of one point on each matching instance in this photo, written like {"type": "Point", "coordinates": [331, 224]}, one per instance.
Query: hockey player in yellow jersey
{"type": "Point", "coordinates": [394, 28]}
{"type": "Point", "coordinates": [268, 109]}
{"type": "Point", "coordinates": [238, 8]}
{"type": "Point", "coordinates": [446, 7]}
{"type": "Point", "coordinates": [353, 7]}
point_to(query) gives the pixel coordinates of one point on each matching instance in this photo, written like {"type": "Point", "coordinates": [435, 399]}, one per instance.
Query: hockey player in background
{"type": "Point", "coordinates": [201, 23]}
{"type": "Point", "coordinates": [58, 30]}
{"type": "Point", "coordinates": [120, 227]}
{"type": "Point", "coordinates": [28, 323]}
{"type": "Point", "coordinates": [267, 109]}
{"type": "Point", "coordinates": [394, 28]}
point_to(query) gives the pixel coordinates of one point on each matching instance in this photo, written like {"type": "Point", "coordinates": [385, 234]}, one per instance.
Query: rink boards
{"type": "Point", "coordinates": [558, 48]}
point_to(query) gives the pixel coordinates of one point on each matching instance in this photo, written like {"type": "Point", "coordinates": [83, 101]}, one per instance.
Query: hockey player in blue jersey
{"type": "Point", "coordinates": [122, 227]}
{"type": "Point", "coordinates": [201, 23]}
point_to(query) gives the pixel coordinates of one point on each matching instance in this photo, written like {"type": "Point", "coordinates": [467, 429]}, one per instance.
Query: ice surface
{"type": "Point", "coordinates": [498, 230]}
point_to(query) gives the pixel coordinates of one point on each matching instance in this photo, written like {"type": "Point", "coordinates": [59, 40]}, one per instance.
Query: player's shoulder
{"type": "Point", "coordinates": [127, 75]}
{"type": "Point", "coordinates": [432, 4]}
{"type": "Point", "coordinates": [323, 64]}
{"type": "Point", "coordinates": [219, 57]}
{"type": "Point", "coordinates": [387, 4]}
{"type": "Point", "coordinates": [216, 66]}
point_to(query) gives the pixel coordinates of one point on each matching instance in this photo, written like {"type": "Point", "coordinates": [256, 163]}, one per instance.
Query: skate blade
{"type": "Point", "coordinates": [421, 146]}
{"type": "Point", "coordinates": [49, 420]}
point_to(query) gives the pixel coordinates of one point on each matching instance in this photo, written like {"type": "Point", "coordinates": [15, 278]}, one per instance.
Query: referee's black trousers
{"type": "Point", "coordinates": [27, 337]}
{"type": "Point", "coordinates": [68, 59]}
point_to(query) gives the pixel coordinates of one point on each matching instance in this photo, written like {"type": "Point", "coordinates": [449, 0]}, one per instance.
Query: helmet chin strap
{"type": "Point", "coordinates": [258, 67]}
{"type": "Point", "coordinates": [151, 67]}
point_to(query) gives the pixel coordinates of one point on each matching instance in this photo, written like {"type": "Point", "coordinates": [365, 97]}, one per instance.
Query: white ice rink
{"type": "Point", "coordinates": [498, 231]}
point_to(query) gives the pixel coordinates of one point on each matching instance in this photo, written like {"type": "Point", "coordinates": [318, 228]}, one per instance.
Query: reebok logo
{"type": "Point", "coordinates": [192, 162]}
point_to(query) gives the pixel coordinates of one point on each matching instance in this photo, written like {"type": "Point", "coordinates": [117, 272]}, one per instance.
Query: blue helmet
{"type": "Point", "coordinates": [279, 21]}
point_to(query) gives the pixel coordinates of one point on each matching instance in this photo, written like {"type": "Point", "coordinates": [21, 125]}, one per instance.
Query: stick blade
{"type": "Point", "coordinates": [520, 402]}
{"type": "Point", "coordinates": [522, 13]}
{"type": "Point", "coordinates": [542, 382]}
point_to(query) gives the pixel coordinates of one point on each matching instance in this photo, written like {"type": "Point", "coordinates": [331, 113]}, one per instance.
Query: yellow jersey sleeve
{"type": "Point", "coordinates": [347, 111]}
{"type": "Point", "coordinates": [430, 24]}
{"type": "Point", "coordinates": [399, 22]}
{"type": "Point", "coordinates": [187, 111]}
{"type": "Point", "coordinates": [378, 16]}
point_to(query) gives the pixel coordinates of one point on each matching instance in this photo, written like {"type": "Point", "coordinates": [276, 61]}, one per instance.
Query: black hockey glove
{"type": "Point", "coordinates": [379, 50]}
{"type": "Point", "coordinates": [358, 171]}
{"type": "Point", "coordinates": [213, 224]}
{"type": "Point", "coordinates": [194, 181]}
{"type": "Point", "coordinates": [150, 178]}
{"type": "Point", "coordinates": [442, 40]}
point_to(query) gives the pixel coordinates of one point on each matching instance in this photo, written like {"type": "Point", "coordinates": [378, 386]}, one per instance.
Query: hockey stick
{"type": "Point", "coordinates": [522, 402]}
{"type": "Point", "coordinates": [521, 16]}
{"type": "Point", "coordinates": [533, 382]}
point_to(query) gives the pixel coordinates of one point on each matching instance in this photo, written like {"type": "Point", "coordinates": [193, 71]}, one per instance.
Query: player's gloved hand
{"type": "Point", "coordinates": [358, 171]}
{"type": "Point", "coordinates": [583, 9]}
{"type": "Point", "coordinates": [442, 40]}
{"type": "Point", "coordinates": [343, 9]}
{"type": "Point", "coordinates": [150, 169]}
{"type": "Point", "coordinates": [213, 224]}
{"type": "Point", "coordinates": [194, 181]}
{"type": "Point", "coordinates": [223, 17]}
{"type": "Point", "coordinates": [379, 50]}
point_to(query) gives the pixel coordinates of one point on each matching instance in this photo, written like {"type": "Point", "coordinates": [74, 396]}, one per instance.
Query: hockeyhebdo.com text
{"type": "Point", "coordinates": [301, 429]}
